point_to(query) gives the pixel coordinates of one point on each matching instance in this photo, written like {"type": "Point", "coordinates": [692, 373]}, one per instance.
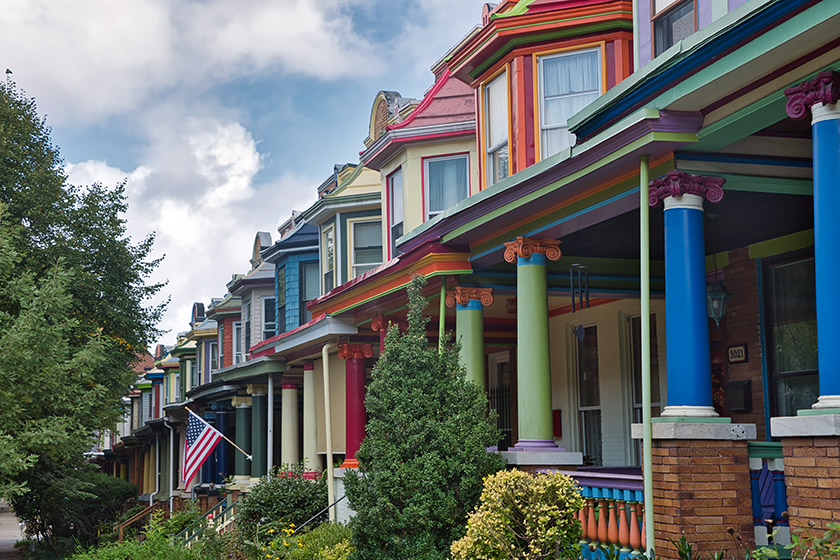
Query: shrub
{"type": "Point", "coordinates": [329, 541]}
{"type": "Point", "coordinates": [523, 516]}
{"type": "Point", "coordinates": [425, 454]}
{"type": "Point", "coordinates": [157, 546]}
{"type": "Point", "coordinates": [281, 500]}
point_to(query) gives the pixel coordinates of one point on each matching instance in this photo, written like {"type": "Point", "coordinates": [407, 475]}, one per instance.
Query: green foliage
{"type": "Point", "coordinates": [282, 498]}
{"type": "Point", "coordinates": [157, 546]}
{"type": "Point", "coordinates": [424, 456]}
{"type": "Point", "coordinates": [73, 317]}
{"type": "Point", "coordinates": [329, 541]}
{"type": "Point", "coordinates": [806, 544]}
{"type": "Point", "coordinates": [523, 516]}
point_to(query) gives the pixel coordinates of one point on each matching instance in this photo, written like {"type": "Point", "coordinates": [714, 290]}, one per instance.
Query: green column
{"type": "Point", "coordinates": [470, 333]}
{"type": "Point", "coordinates": [242, 466]}
{"type": "Point", "coordinates": [533, 367]}
{"type": "Point", "coordinates": [259, 427]}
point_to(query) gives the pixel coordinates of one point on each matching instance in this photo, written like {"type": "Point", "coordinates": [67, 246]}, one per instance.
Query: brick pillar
{"type": "Point", "coordinates": [812, 477]}
{"type": "Point", "coordinates": [701, 486]}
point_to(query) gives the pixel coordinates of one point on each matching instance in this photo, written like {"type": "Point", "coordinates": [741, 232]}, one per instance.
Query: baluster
{"type": "Point", "coordinates": [602, 514]}
{"type": "Point", "coordinates": [585, 492]}
{"type": "Point", "coordinates": [591, 523]}
{"type": "Point", "coordinates": [612, 529]}
{"type": "Point", "coordinates": [755, 494]}
{"type": "Point", "coordinates": [635, 535]}
{"type": "Point", "coordinates": [779, 496]}
{"type": "Point", "coordinates": [623, 527]}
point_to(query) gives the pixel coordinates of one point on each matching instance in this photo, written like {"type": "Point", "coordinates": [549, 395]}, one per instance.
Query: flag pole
{"type": "Point", "coordinates": [223, 435]}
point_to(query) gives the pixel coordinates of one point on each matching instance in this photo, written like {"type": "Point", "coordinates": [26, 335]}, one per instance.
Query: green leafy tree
{"type": "Point", "coordinates": [425, 454]}
{"type": "Point", "coordinates": [73, 312]}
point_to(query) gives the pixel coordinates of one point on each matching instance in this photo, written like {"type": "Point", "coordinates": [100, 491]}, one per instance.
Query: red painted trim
{"type": "Point", "coordinates": [612, 77]}
{"type": "Point", "coordinates": [423, 104]}
{"type": "Point", "coordinates": [255, 353]}
{"type": "Point", "coordinates": [530, 144]}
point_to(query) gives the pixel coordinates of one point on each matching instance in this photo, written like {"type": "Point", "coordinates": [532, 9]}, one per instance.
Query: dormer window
{"type": "Point", "coordinates": [444, 182]}
{"type": "Point", "coordinates": [568, 82]}
{"type": "Point", "coordinates": [496, 128]}
{"type": "Point", "coordinates": [395, 209]}
{"type": "Point", "coordinates": [673, 22]}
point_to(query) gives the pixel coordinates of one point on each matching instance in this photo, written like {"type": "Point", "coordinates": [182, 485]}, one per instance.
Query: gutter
{"type": "Point", "coordinates": [171, 463]}
{"type": "Point", "coordinates": [157, 470]}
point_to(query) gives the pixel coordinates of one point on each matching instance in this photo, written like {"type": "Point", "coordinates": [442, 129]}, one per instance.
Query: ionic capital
{"type": "Point", "coordinates": [240, 402]}
{"type": "Point", "coordinates": [256, 389]}
{"type": "Point", "coordinates": [524, 247]}
{"type": "Point", "coordinates": [463, 295]}
{"type": "Point", "coordinates": [824, 88]}
{"type": "Point", "coordinates": [355, 351]}
{"type": "Point", "coordinates": [678, 183]}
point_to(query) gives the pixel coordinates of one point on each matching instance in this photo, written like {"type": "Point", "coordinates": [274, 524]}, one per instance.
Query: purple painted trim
{"type": "Point", "coordinates": [678, 183]}
{"type": "Point", "coordinates": [613, 480]}
{"type": "Point", "coordinates": [825, 89]}
{"type": "Point", "coordinates": [532, 445]}
{"type": "Point", "coordinates": [735, 3]}
{"type": "Point", "coordinates": [669, 121]}
{"type": "Point", "coordinates": [645, 32]}
{"type": "Point", "coordinates": [704, 13]}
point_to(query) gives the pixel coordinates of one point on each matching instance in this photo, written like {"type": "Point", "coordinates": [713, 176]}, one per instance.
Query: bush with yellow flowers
{"type": "Point", "coordinates": [523, 516]}
{"type": "Point", "coordinates": [328, 541]}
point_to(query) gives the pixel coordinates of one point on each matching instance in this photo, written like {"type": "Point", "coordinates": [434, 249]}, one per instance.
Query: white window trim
{"type": "Point", "coordinates": [262, 315]}
{"type": "Point", "coordinates": [236, 340]}
{"type": "Point", "coordinates": [324, 271]}
{"type": "Point", "coordinates": [426, 198]}
{"type": "Point", "coordinates": [541, 85]}
{"type": "Point", "coordinates": [490, 151]}
{"type": "Point", "coordinates": [351, 226]}
{"type": "Point", "coordinates": [391, 241]}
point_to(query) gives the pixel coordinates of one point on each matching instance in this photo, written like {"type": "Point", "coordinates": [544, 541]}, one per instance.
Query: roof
{"type": "Point", "coordinates": [303, 238]}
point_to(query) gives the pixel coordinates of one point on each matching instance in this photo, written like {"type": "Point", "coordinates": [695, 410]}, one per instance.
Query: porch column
{"type": "Point", "coordinates": [380, 324]}
{"type": "Point", "coordinates": [533, 368]}
{"type": "Point", "coordinates": [259, 428]}
{"type": "Point", "coordinates": [355, 355]}
{"type": "Point", "coordinates": [810, 440]}
{"type": "Point", "coordinates": [687, 325]}
{"type": "Point", "coordinates": [310, 418]}
{"type": "Point", "coordinates": [289, 448]}
{"type": "Point", "coordinates": [223, 447]}
{"type": "Point", "coordinates": [469, 306]}
{"type": "Point", "coordinates": [242, 466]}
{"type": "Point", "coordinates": [820, 95]}
{"type": "Point", "coordinates": [209, 465]}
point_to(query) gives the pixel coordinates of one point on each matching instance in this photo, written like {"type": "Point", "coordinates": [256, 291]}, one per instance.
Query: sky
{"type": "Point", "coordinates": [222, 116]}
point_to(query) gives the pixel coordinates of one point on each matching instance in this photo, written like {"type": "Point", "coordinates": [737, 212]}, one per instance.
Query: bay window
{"type": "Point", "coordinates": [496, 124]}
{"type": "Point", "coordinates": [568, 83]}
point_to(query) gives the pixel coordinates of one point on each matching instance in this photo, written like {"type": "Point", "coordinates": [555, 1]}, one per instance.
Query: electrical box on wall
{"type": "Point", "coordinates": [557, 420]}
{"type": "Point", "coordinates": [738, 395]}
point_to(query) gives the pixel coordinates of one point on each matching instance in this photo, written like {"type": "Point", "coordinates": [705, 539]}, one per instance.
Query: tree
{"type": "Point", "coordinates": [73, 308]}
{"type": "Point", "coordinates": [425, 454]}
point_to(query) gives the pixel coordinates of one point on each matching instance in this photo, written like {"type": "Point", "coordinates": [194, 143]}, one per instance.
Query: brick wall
{"type": "Point", "coordinates": [701, 488]}
{"type": "Point", "coordinates": [742, 326]}
{"type": "Point", "coordinates": [227, 341]}
{"type": "Point", "coordinates": [812, 476]}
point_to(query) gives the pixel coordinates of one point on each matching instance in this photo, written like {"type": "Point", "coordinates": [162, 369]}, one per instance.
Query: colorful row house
{"type": "Point", "coordinates": [618, 206]}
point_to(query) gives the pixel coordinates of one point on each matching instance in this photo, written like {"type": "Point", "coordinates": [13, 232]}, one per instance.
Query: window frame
{"type": "Point", "coordinates": [280, 310]}
{"type": "Point", "coordinates": [194, 379]}
{"type": "Point", "coordinates": [220, 348]}
{"type": "Point", "coordinates": [389, 187]}
{"type": "Point", "coordinates": [539, 98]}
{"type": "Point", "coordinates": [428, 213]}
{"type": "Point", "coordinates": [247, 310]}
{"type": "Point", "coordinates": [305, 315]}
{"type": "Point", "coordinates": [351, 226]}
{"type": "Point", "coordinates": [236, 343]}
{"type": "Point", "coordinates": [667, 10]}
{"type": "Point", "coordinates": [487, 150]}
{"type": "Point", "coordinates": [264, 301]}
{"type": "Point", "coordinates": [215, 361]}
{"type": "Point", "coordinates": [582, 410]}
{"type": "Point", "coordinates": [330, 229]}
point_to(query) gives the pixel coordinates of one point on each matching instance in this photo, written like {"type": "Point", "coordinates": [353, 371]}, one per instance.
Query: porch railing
{"type": "Point", "coordinates": [218, 518]}
{"type": "Point", "coordinates": [769, 495]}
{"type": "Point", "coordinates": [613, 510]}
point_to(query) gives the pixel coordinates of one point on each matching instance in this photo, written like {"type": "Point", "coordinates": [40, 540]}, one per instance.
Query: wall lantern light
{"type": "Point", "coordinates": [717, 299]}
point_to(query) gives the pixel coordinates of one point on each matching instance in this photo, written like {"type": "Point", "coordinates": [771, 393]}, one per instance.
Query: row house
{"type": "Point", "coordinates": [622, 210]}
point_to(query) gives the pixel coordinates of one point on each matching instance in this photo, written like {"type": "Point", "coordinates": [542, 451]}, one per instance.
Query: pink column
{"type": "Point", "coordinates": [356, 415]}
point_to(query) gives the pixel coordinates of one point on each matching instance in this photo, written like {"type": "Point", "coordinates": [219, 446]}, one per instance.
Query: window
{"type": "Point", "coordinates": [237, 342]}
{"type": "Point", "coordinates": [166, 394]}
{"type": "Point", "coordinates": [269, 317]}
{"type": "Point", "coordinates": [444, 182]}
{"type": "Point", "coordinates": [496, 122]}
{"type": "Point", "coordinates": [568, 83]}
{"type": "Point", "coordinates": [671, 25]}
{"type": "Point", "coordinates": [635, 326]}
{"type": "Point", "coordinates": [177, 387]}
{"type": "Point", "coordinates": [498, 394]}
{"type": "Point", "coordinates": [246, 314]}
{"type": "Point", "coordinates": [328, 256]}
{"type": "Point", "coordinates": [366, 238]}
{"type": "Point", "coordinates": [215, 362]}
{"type": "Point", "coordinates": [194, 382]}
{"type": "Point", "coordinates": [309, 288]}
{"type": "Point", "coordinates": [220, 348]}
{"type": "Point", "coordinates": [589, 397]}
{"type": "Point", "coordinates": [395, 209]}
{"type": "Point", "coordinates": [147, 407]}
{"type": "Point", "coordinates": [792, 334]}
{"type": "Point", "coordinates": [281, 299]}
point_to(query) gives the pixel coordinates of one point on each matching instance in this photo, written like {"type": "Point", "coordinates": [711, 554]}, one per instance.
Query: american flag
{"type": "Point", "coordinates": [199, 444]}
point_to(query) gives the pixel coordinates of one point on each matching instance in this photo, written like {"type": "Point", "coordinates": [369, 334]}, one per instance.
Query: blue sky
{"type": "Point", "coordinates": [222, 116]}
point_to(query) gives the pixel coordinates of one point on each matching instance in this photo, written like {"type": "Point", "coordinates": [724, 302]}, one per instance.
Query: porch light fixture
{"type": "Point", "coordinates": [717, 299]}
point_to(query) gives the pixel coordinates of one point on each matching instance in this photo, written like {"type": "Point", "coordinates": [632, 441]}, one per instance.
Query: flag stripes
{"type": "Point", "coordinates": [200, 441]}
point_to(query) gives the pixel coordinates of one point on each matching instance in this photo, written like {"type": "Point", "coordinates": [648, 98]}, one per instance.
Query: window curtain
{"type": "Point", "coordinates": [570, 83]}
{"type": "Point", "coordinates": [496, 111]}
{"type": "Point", "coordinates": [367, 238]}
{"type": "Point", "coordinates": [447, 183]}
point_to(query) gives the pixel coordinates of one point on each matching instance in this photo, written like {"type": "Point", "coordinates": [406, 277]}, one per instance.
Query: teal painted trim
{"type": "Point", "coordinates": [817, 411]}
{"type": "Point", "coordinates": [772, 185]}
{"type": "Point", "coordinates": [764, 450]}
{"type": "Point", "coordinates": [741, 124]}
{"type": "Point", "coordinates": [691, 420]}
{"type": "Point", "coordinates": [719, 9]}
{"type": "Point", "coordinates": [520, 8]}
{"type": "Point", "coordinates": [762, 341]}
{"type": "Point", "coordinates": [472, 305]}
{"type": "Point", "coordinates": [537, 259]}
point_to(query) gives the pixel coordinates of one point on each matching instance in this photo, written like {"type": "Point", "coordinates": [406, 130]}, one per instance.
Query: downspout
{"type": "Point", "coordinates": [269, 451]}
{"type": "Point", "coordinates": [157, 470]}
{"type": "Point", "coordinates": [325, 359]}
{"type": "Point", "coordinates": [647, 439]}
{"type": "Point", "coordinates": [442, 314]}
{"type": "Point", "coordinates": [171, 464]}
{"type": "Point", "coordinates": [636, 57]}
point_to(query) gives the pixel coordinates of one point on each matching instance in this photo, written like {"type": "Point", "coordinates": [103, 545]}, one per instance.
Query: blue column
{"type": "Point", "coordinates": [209, 465]}
{"type": "Point", "coordinates": [223, 448]}
{"type": "Point", "coordinates": [687, 321]}
{"type": "Point", "coordinates": [826, 146]}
